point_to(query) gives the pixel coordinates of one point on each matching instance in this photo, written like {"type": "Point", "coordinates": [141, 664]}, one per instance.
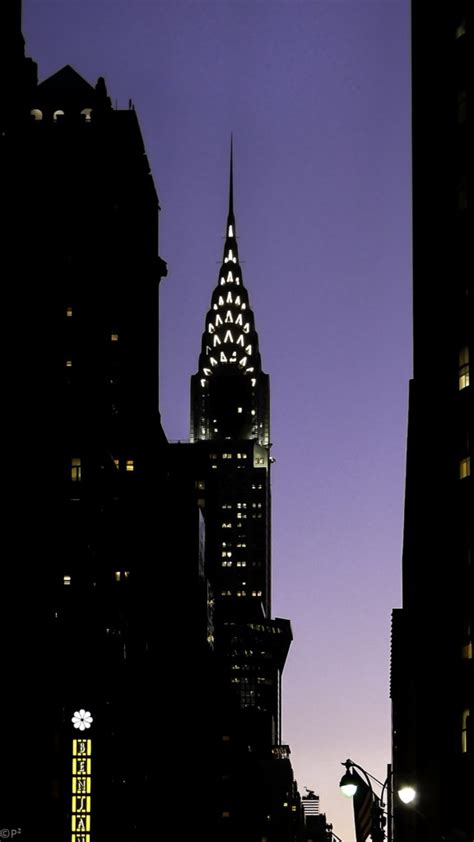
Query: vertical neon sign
{"type": "Point", "coordinates": [81, 779]}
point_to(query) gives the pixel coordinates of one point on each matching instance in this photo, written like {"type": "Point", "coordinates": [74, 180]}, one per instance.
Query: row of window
{"type": "Point", "coordinates": [224, 544]}
{"type": "Point", "coordinates": [76, 467]}
{"type": "Point", "coordinates": [119, 575]}
{"type": "Point", "coordinates": [241, 505]}
{"type": "Point", "coordinates": [237, 563]}
{"type": "Point", "coordinates": [240, 516]}
{"type": "Point", "coordinates": [241, 593]}
{"type": "Point", "coordinates": [37, 114]}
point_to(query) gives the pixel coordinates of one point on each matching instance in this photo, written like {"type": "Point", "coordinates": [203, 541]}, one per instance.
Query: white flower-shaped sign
{"type": "Point", "coordinates": [82, 719]}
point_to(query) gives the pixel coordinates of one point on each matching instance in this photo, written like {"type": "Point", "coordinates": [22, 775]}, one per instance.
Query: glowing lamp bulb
{"type": "Point", "coordinates": [407, 794]}
{"type": "Point", "coordinates": [349, 790]}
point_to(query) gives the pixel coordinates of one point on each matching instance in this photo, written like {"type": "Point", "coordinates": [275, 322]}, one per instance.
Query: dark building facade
{"type": "Point", "coordinates": [139, 647]}
{"type": "Point", "coordinates": [84, 512]}
{"type": "Point", "coordinates": [432, 682]}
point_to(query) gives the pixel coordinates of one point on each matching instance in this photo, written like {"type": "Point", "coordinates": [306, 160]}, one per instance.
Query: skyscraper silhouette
{"type": "Point", "coordinates": [432, 660]}
{"type": "Point", "coordinates": [85, 458]}
{"type": "Point", "coordinates": [229, 459]}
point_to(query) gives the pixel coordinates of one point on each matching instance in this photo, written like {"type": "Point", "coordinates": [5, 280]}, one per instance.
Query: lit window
{"type": "Point", "coordinates": [464, 730]}
{"type": "Point", "coordinates": [86, 113]}
{"type": "Point", "coordinates": [69, 312]}
{"type": "Point", "coordinates": [231, 231]}
{"type": "Point", "coordinates": [118, 575]}
{"type": "Point", "coordinates": [36, 113]}
{"type": "Point", "coordinates": [67, 580]}
{"type": "Point", "coordinates": [57, 114]}
{"type": "Point", "coordinates": [239, 410]}
{"type": "Point", "coordinates": [114, 337]}
{"type": "Point", "coordinates": [75, 469]}
{"type": "Point", "coordinates": [467, 651]}
{"type": "Point", "coordinates": [117, 464]}
{"type": "Point", "coordinates": [68, 363]}
{"type": "Point", "coordinates": [461, 29]}
{"type": "Point", "coordinates": [129, 465]}
{"type": "Point", "coordinates": [465, 467]}
{"type": "Point", "coordinates": [464, 367]}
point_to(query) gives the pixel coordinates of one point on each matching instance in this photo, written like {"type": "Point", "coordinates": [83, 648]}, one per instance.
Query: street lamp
{"type": "Point", "coordinates": [351, 781]}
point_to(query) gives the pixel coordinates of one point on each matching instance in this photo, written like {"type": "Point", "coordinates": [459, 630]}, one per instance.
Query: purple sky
{"type": "Point", "coordinates": [317, 96]}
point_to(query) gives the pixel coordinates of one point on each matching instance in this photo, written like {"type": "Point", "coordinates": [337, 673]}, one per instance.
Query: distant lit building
{"type": "Point", "coordinates": [432, 685]}
{"type": "Point", "coordinates": [229, 459]}
{"type": "Point", "coordinates": [310, 804]}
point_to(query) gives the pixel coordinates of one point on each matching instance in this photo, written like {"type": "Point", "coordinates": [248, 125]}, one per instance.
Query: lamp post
{"type": "Point", "coordinates": [349, 784]}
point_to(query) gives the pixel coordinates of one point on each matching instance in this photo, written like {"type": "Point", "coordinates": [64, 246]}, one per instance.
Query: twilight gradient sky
{"type": "Point", "coordinates": [317, 95]}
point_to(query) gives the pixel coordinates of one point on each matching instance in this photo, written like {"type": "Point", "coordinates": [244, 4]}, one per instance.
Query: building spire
{"type": "Point", "coordinates": [230, 392]}
{"type": "Point", "coordinates": [231, 183]}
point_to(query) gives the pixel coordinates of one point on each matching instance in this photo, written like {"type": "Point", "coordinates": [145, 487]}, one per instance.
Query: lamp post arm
{"type": "Point", "coordinates": [350, 763]}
